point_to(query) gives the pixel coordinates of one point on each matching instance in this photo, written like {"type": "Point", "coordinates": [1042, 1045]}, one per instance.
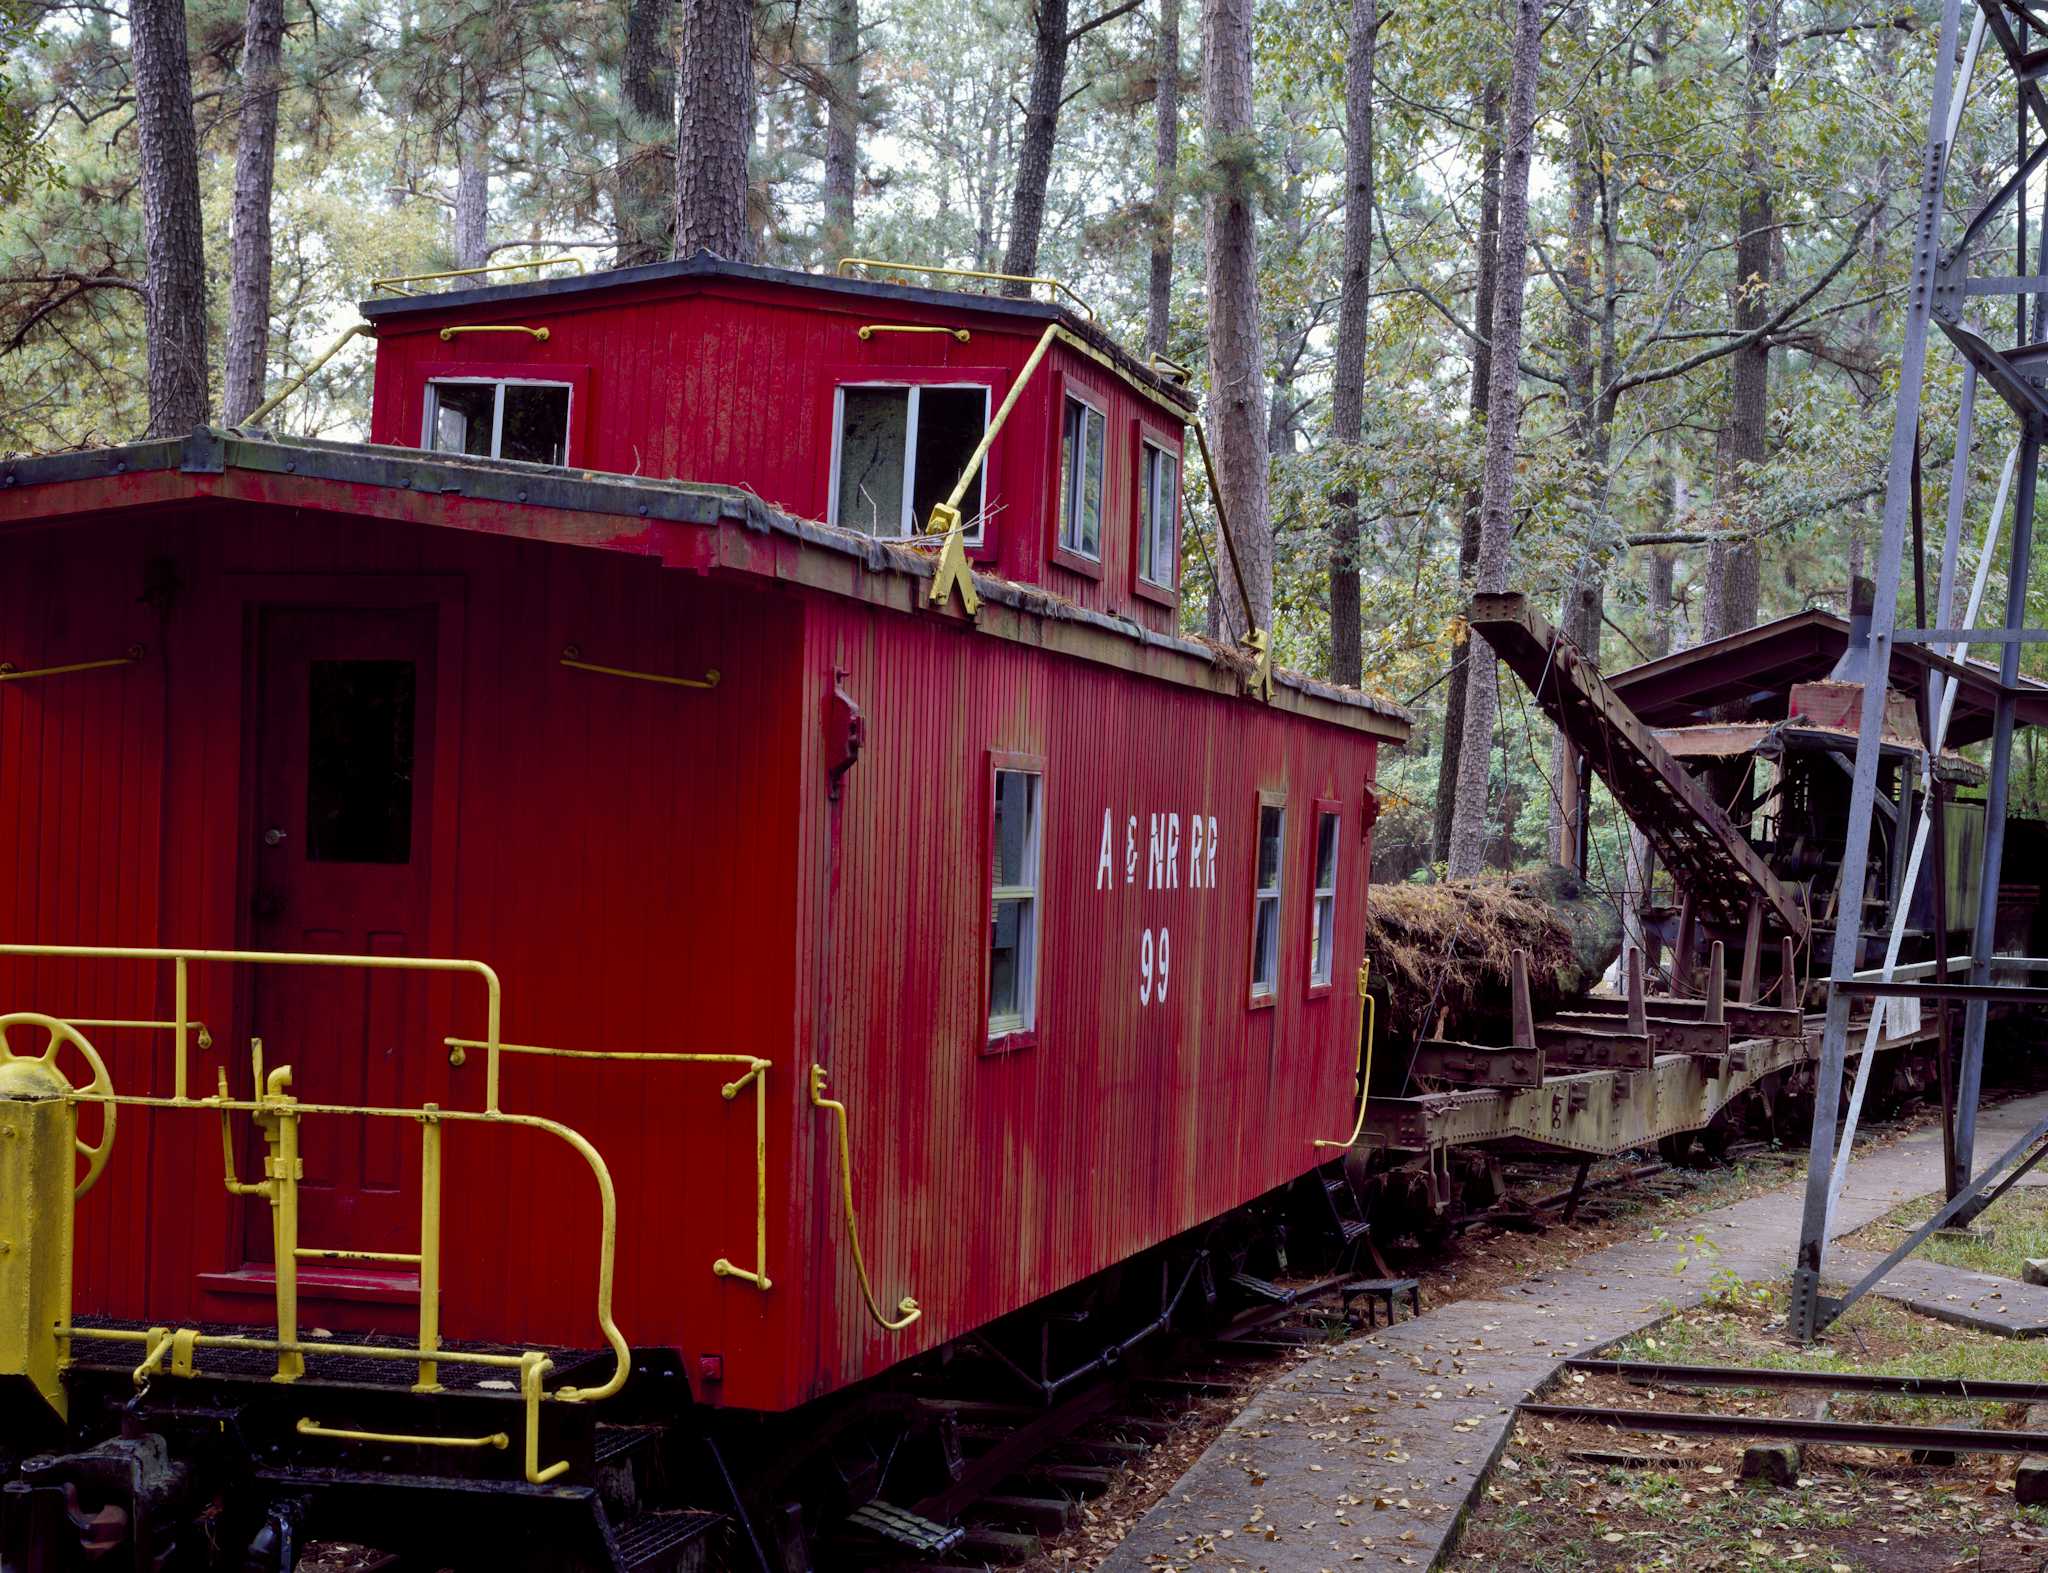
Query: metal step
{"type": "Point", "coordinates": [671, 1540]}
{"type": "Point", "coordinates": [901, 1527]}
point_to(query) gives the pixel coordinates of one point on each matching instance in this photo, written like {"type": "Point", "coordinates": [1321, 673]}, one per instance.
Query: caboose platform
{"type": "Point", "coordinates": [1417, 1415]}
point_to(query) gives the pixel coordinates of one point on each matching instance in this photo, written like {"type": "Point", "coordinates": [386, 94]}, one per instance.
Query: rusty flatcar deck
{"type": "Point", "coordinates": [1593, 1113]}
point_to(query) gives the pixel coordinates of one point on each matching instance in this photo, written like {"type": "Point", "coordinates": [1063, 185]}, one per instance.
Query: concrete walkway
{"type": "Point", "coordinates": [1368, 1456]}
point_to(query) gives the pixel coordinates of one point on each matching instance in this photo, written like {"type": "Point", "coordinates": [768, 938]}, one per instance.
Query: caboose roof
{"type": "Point", "coordinates": [615, 285]}
{"type": "Point", "coordinates": [679, 525]}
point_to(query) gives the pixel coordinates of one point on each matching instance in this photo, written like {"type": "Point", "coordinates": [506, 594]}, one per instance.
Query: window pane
{"type": "Point", "coordinates": [1005, 958]}
{"type": "Point", "coordinates": [1168, 500]}
{"type": "Point", "coordinates": [1016, 803]}
{"type": "Point", "coordinates": [1091, 501]}
{"type": "Point", "coordinates": [462, 417]}
{"type": "Point", "coordinates": [949, 426]}
{"type": "Point", "coordinates": [1073, 431]}
{"type": "Point", "coordinates": [359, 762]}
{"type": "Point", "coordinates": [1326, 917]}
{"type": "Point", "coordinates": [1269, 848]}
{"type": "Point", "coordinates": [1266, 944]}
{"type": "Point", "coordinates": [536, 424]}
{"type": "Point", "coordinates": [1148, 457]}
{"type": "Point", "coordinates": [874, 428]}
{"type": "Point", "coordinates": [1326, 852]}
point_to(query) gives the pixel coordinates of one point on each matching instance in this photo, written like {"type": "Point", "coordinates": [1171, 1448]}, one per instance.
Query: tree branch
{"type": "Point", "coordinates": [1110, 15]}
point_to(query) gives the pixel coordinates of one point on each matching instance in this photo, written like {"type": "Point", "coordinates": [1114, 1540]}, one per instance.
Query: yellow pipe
{"type": "Point", "coordinates": [303, 377]}
{"type": "Point", "coordinates": [204, 1040]}
{"type": "Point", "coordinates": [532, 1368]}
{"type": "Point", "coordinates": [308, 1426]}
{"type": "Point", "coordinates": [907, 1309]}
{"type": "Point", "coordinates": [130, 1335]}
{"type": "Point", "coordinates": [539, 335]}
{"type": "Point", "coordinates": [946, 515]}
{"type": "Point", "coordinates": [429, 1258]}
{"type": "Point", "coordinates": [966, 273]}
{"type": "Point", "coordinates": [1368, 1021]}
{"type": "Point", "coordinates": [8, 674]}
{"type": "Point", "coordinates": [314, 1253]}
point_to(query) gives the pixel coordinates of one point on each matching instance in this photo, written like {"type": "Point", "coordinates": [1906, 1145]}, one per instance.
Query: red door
{"type": "Point", "coordinates": [344, 785]}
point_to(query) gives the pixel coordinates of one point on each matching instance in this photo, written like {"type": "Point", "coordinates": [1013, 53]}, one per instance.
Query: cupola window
{"type": "Point", "coordinates": [499, 420]}
{"type": "Point", "coordinates": [1082, 428]}
{"type": "Point", "coordinates": [900, 451]}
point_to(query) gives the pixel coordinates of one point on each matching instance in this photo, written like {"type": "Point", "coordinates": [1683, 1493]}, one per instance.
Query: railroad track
{"type": "Point", "coordinates": [1031, 1472]}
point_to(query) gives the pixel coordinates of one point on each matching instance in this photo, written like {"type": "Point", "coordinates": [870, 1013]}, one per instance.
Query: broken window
{"type": "Point", "coordinates": [922, 436]}
{"type": "Point", "coordinates": [499, 420]}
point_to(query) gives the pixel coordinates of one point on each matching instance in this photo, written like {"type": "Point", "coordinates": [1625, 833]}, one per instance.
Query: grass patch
{"type": "Point", "coordinates": [2006, 1237]}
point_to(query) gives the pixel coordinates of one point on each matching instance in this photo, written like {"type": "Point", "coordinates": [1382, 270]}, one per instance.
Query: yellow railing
{"type": "Point", "coordinates": [907, 1309]}
{"type": "Point", "coordinates": [1368, 1020]}
{"type": "Point", "coordinates": [395, 284]}
{"type": "Point", "coordinates": [279, 1115]}
{"type": "Point", "coordinates": [884, 265]}
{"type": "Point", "coordinates": [756, 1073]}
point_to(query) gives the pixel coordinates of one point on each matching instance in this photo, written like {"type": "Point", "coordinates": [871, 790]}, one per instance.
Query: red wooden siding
{"type": "Point", "coordinates": [731, 382]}
{"type": "Point", "coordinates": [658, 868]}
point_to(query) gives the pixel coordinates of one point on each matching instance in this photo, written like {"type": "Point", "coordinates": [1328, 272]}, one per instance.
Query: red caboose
{"type": "Point", "coordinates": [623, 798]}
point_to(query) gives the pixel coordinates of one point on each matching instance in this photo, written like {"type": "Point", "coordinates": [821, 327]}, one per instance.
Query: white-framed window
{"type": "Point", "coordinates": [1013, 903]}
{"type": "Point", "coordinates": [897, 449]}
{"type": "Point", "coordinates": [1158, 514]}
{"type": "Point", "coordinates": [1266, 899]}
{"type": "Point", "coordinates": [1083, 429]}
{"type": "Point", "coordinates": [1324, 917]}
{"type": "Point", "coordinates": [491, 419]}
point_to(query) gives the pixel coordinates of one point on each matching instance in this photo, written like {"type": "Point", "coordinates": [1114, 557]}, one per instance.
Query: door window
{"type": "Point", "coordinates": [359, 761]}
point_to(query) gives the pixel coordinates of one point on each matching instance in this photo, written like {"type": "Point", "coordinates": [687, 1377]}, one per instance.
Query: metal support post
{"type": "Point", "coordinates": [1805, 1312]}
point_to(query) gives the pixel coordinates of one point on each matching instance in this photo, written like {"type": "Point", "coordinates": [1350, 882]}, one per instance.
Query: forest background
{"type": "Point", "coordinates": [1719, 203]}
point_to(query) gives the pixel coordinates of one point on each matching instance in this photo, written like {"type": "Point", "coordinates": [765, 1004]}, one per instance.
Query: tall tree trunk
{"type": "Point", "coordinates": [1290, 329]}
{"type": "Point", "coordinates": [472, 189]}
{"type": "Point", "coordinates": [1165, 178]}
{"type": "Point", "coordinates": [1732, 567]}
{"type": "Point", "coordinates": [1492, 113]}
{"type": "Point", "coordinates": [174, 272]}
{"type": "Point", "coordinates": [714, 127]}
{"type": "Point", "coordinates": [644, 212]}
{"type": "Point", "coordinates": [1503, 426]}
{"type": "Point", "coordinates": [1347, 374]}
{"type": "Point", "coordinates": [1236, 358]}
{"type": "Point", "coordinates": [842, 126]}
{"type": "Point", "coordinates": [255, 165]}
{"type": "Point", "coordinates": [1049, 43]}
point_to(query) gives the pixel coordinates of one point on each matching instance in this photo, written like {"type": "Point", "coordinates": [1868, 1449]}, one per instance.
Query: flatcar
{"type": "Point", "coordinates": [583, 928]}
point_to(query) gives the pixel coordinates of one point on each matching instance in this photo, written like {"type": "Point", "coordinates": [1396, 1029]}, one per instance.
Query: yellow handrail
{"type": "Point", "coordinates": [869, 329]}
{"type": "Point", "coordinates": [395, 283]}
{"type": "Point", "coordinates": [1368, 1021]}
{"type": "Point", "coordinates": [9, 673]}
{"type": "Point", "coordinates": [846, 263]}
{"type": "Point", "coordinates": [308, 1426]}
{"type": "Point", "coordinates": [572, 657]}
{"type": "Point", "coordinates": [756, 1073]}
{"type": "Point", "coordinates": [283, 958]}
{"type": "Point", "coordinates": [303, 377]}
{"type": "Point", "coordinates": [907, 1309]}
{"type": "Point", "coordinates": [539, 335]}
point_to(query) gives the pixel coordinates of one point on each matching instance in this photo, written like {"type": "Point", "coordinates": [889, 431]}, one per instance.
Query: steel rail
{"type": "Point", "coordinates": [1822, 1381]}
{"type": "Point", "coordinates": [1786, 1428]}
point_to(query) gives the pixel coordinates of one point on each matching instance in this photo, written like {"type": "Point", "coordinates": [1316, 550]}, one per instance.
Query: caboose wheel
{"type": "Point", "coordinates": [57, 1034]}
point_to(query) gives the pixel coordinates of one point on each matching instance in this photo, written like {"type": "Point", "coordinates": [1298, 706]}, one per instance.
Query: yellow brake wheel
{"type": "Point", "coordinates": [56, 1036]}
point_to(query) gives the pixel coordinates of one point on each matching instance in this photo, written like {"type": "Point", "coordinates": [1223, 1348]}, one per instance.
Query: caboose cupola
{"type": "Point", "coordinates": [865, 404]}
